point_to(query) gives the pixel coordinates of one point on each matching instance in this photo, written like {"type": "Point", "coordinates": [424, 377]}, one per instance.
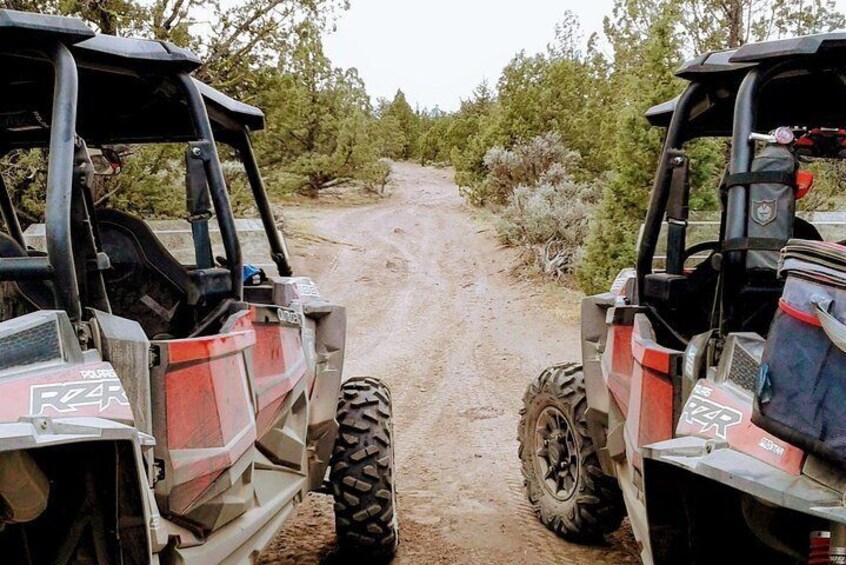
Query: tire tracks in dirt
{"type": "Point", "coordinates": [433, 311]}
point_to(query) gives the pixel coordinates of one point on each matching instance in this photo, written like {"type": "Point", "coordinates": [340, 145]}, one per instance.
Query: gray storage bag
{"type": "Point", "coordinates": [801, 392]}
{"type": "Point", "coordinates": [771, 206]}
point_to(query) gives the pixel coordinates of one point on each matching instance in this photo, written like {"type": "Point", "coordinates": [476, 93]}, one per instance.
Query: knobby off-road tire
{"type": "Point", "coordinates": [564, 481]}
{"type": "Point", "coordinates": [362, 471]}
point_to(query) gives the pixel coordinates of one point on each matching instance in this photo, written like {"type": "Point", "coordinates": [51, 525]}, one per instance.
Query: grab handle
{"type": "Point", "coordinates": [833, 328]}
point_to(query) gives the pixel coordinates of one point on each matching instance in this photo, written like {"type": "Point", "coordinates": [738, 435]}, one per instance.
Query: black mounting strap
{"type": "Point", "coordinates": [678, 201]}
{"type": "Point", "coordinates": [678, 210]}
{"type": "Point", "coordinates": [760, 177]}
{"type": "Point", "coordinates": [199, 201]}
{"type": "Point", "coordinates": [754, 244]}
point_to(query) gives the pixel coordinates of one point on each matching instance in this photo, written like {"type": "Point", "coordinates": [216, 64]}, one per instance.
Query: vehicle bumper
{"type": "Point", "coordinates": [715, 460]}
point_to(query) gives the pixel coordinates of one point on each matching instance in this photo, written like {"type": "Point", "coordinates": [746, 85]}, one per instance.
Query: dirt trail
{"type": "Point", "coordinates": [434, 312]}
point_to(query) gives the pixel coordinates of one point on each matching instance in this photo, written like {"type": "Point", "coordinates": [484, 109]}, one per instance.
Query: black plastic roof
{"type": "Point", "coordinates": [129, 91]}
{"type": "Point", "coordinates": [660, 114]}
{"type": "Point", "coordinates": [821, 45]}
{"type": "Point", "coordinates": [134, 81]}
{"type": "Point", "coordinates": [26, 81]}
{"type": "Point", "coordinates": [139, 54]}
{"type": "Point", "coordinates": [716, 63]}
{"type": "Point", "coordinates": [154, 59]}
{"type": "Point", "coordinates": [226, 112]}
{"type": "Point", "coordinates": [810, 93]}
{"type": "Point", "coordinates": [27, 29]}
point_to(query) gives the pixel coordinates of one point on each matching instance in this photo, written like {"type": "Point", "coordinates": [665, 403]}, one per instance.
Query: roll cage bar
{"type": "Point", "coordinates": [78, 58]}
{"type": "Point", "coordinates": [732, 94]}
{"type": "Point", "coordinates": [45, 39]}
{"type": "Point", "coordinates": [234, 123]}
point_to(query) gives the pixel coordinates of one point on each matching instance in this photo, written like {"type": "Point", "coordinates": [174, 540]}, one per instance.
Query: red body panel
{"type": "Point", "coordinates": [278, 365]}
{"type": "Point", "coordinates": [650, 414]}
{"type": "Point", "coordinates": [649, 354]}
{"type": "Point", "coordinates": [210, 422]}
{"type": "Point", "coordinates": [650, 418]}
{"type": "Point", "coordinates": [216, 396]}
{"type": "Point", "coordinates": [714, 411]}
{"type": "Point", "coordinates": [622, 364]}
{"type": "Point", "coordinates": [82, 390]}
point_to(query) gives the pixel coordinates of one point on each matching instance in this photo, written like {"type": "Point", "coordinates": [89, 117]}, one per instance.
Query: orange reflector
{"type": "Point", "coordinates": [804, 183]}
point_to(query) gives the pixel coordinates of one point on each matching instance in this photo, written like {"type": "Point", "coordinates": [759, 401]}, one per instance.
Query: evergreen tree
{"type": "Point", "coordinates": [647, 80]}
{"type": "Point", "coordinates": [314, 112]}
{"type": "Point", "coordinates": [400, 113]}
{"type": "Point", "coordinates": [722, 24]}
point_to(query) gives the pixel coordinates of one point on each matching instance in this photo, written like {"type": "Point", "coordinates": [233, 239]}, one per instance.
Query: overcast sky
{"type": "Point", "coordinates": [437, 51]}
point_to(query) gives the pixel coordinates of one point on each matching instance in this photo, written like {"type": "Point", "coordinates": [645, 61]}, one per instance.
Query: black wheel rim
{"type": "Point", "coordinates": [556, 453]}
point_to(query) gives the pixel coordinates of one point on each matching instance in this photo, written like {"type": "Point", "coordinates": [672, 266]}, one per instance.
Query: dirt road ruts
{"type": "Point", "coordinates": [435, 312]}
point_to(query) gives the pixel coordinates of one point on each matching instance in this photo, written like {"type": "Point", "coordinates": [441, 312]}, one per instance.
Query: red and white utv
{"type": "Point", "coordinates": [153, 411]}
{"type": "Point", "coordinates": [710, 404]}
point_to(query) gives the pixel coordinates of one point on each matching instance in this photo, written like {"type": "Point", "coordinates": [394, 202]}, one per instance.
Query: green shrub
{"type": "Point", "coordinates": [25, 175]}
{"type": "Point", "coordinates": [526, 164]}
{"type": "Point", "coordinates": [549, 221]}
{"type": "Point", "coordinates": [543, 209]}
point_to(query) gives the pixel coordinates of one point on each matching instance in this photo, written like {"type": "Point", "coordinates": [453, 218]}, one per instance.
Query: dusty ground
{"type": "Point", "coordinates": [436, 313]}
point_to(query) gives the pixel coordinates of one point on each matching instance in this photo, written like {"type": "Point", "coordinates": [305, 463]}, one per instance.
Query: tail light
{"type": "Point", "coordinates": [804, 183]}
{"type": "Point", "coordinates": [820, 543]}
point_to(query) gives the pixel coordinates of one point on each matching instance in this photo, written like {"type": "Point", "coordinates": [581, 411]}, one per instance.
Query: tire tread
{"type": "Point", "coordinates": [597, 507]}
{"type": "Point", "coordinates": [362, 471]}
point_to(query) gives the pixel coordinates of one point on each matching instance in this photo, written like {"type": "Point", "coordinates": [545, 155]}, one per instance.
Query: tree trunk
{"type": "Point", "coordinates": [734, 11]}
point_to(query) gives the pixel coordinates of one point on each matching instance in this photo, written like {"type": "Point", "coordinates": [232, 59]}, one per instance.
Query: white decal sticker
{"type": "Point", "coordinates": [710, 415]}
{"type": "Point", "coordinates": [308, 289]}
{"type": "Point", "coordinates": [769, 445]}
{"type": "Point", "coordinates": [71, 396]}
{"type": "Point", "coordinates": [99, 374]}
{"type": "Point", "coordinates": [690, 361]}
{"type": "Point", "coordinates": [702, 390]}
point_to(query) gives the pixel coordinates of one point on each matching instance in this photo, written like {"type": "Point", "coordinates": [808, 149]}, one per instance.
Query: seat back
{"type": "Point", "coordinates": [145, 282]}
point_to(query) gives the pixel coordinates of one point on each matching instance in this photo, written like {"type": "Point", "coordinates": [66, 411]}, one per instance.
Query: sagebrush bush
{"type": "Point", "coordinates": [547, 210]}
{"type": "Point", "coordinates": [524, 165]}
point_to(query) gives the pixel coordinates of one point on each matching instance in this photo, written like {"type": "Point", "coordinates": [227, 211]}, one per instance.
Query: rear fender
{"type": "Point", "coordinates": [594, 337]}
{"type": "Point", "coordinates": [329, 343]}
{"type": "Point", "coordinates": [322, 343]}
{"type": "Point", "coordinates": [95, 456]}
{"type": "Point", "coordinates": [596, 332]}
{"type": "Point", "coordinates": [43, 372]}
{"type": "Point", "coordinates": [700, 491]}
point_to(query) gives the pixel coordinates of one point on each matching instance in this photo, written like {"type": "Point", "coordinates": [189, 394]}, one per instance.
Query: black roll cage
{"type": "Point", "coordinates": [679, 130]}
{"type": "Point", "coordinates": [239, 138]}
{"type": "Point", "coordinates": [278, 251]}
{"type": "Point", "coordinates": [674, 140]}
{"type": "Point", "coordinates": [59, 266]}
{"type": "Point", "coordinates": [217, 189]}
{"type": "Point", "coordinates": [235, 122]}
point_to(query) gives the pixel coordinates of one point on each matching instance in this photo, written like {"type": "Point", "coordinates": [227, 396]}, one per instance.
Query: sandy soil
{"type": "Point", "coordinates": [435, 311]}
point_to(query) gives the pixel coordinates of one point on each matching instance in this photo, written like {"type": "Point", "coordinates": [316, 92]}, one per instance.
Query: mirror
{"type": "Point", "coordinates": [106, 161]}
